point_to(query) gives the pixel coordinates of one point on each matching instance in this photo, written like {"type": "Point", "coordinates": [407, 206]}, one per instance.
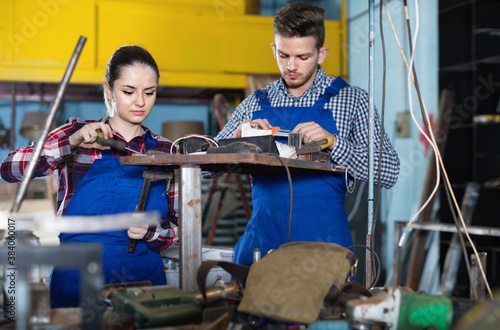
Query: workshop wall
{"type": "Point", "coordinates": [95, 110]}
{"type": "Point", "coordinates": [196, 43]}
{"type": "Point", "coordinates": [404, 199]}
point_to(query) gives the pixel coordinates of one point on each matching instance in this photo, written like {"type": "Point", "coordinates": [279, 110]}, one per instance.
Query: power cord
{"type": "Point", "coordinates": [433, 144]}
{"type": "Point", "coordinates": [373, 253]}
{"type": "Point", "coordinates": [210, 141]}
{"type": "Point", "coordinates": [291, 192]}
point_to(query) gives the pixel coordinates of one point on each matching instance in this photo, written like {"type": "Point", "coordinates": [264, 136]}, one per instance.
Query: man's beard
{"type": "Point", "coordinates": [297, 83]}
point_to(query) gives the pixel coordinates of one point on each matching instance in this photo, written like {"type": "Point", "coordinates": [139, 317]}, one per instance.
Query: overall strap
{"type": "Point", "coordinates": [331, 91]}
{"type": "Point", "coordinates": [107, 154]}
{"type": "Point", "coordinates": [151, 142]}
{"type": "Point", "coordinates": [261, 95]}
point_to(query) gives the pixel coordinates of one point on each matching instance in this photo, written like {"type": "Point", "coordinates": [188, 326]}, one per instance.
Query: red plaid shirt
{"type": "Point", "coordinates": [73, 164]}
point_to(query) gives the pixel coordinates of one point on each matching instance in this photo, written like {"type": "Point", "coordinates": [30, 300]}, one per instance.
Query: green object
{"type": "Point", "coordinates": [158, 306]}
{"type": "Point", "coordinates": [419, 311]}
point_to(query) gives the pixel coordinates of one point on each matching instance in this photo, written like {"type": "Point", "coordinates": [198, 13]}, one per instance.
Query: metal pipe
{"type": "Point", "coordinates": [52, 114]}
{"type": "Point", "coordinates": [451, 228]}
{"type": "Point", "coordinates": [13, 118]}
{"type": "Point", "coordinates": [371, 138]}
{"type": "Point", "coordinates": [189, 226]}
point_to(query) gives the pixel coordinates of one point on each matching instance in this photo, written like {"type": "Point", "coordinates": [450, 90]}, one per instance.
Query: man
{"type": "Point", "coordinates": [308, 101]}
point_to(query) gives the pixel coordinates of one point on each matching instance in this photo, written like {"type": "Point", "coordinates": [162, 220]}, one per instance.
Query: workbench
{"type": "Point", "coordinates": [190, 214]}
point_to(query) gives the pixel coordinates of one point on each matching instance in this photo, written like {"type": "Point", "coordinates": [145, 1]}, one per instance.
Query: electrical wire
{"type": "Point", "coordinates": [433, 144]}
{"type": "Point", "coordinates": [291, 192]}
{"type": "Point", "coordinates": [462, 243]}
{"type": "Point", "coordinates": [352, 169]}
{"type": "Point", "coordinates": [377, 276]}
{"type": "Point", "coordinates": [210, 141]}
{"type": "Point", "coordinates": [355, 207]}
{"type": "Point", "coordinates": [438, 156]}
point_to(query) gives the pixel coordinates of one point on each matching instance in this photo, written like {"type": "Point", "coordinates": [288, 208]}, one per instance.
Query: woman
{"type": "Point", "coordinates": [92, 181]}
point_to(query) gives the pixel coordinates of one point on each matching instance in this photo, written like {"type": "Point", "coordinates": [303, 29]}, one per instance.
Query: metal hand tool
{"type": "Point", "coordinates": [115, 144]}
{"type": "Point", "coordinates": [149, 176]}
{"type": "Point", "coordinates": [294, 139]}
{"type": "Point", "coordinates": [315, 146]}
{"type": "Point", "coordinates": [309, 151]}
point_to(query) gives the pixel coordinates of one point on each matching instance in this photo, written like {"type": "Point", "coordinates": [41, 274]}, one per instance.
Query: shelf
{"type": "Point", "coordinates": [455, 6]}
{"type": "Point", "coordinates": [461, 126]}
{"type": "Point", "coordinates": [469, 66]}
{"type": "Point", "coordinates": [488, 31]}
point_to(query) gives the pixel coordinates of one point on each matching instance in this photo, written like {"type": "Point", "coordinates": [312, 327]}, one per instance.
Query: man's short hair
{"type": "Point", "coordinates": [301, 19]}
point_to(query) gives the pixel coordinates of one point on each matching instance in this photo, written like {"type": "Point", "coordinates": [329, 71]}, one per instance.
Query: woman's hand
{"type": "Point", "coordinates": [85, 137]}
{"type": "Point", "coordinates": [137, 232]}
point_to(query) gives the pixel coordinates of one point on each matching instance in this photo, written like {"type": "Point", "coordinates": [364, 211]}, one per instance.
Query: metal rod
{"type": "Point", "coordinates": [396, 262]}
{"type": "Point", "coordinates": [371, 129]}
{"type": "Point", "coordinates": [52, 114]}
{"type": "Point", "coordinates": [451, 228]}
{"type": "Point", "coordinates": [189, 226]}
{"type": "Point", "coordinates": [13, 118]}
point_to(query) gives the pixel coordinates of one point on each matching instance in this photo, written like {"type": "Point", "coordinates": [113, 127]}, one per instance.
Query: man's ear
{"type": "Point", "coordinates": [273, 47]}
{"type": "Point", "coordinates": [323, 51]}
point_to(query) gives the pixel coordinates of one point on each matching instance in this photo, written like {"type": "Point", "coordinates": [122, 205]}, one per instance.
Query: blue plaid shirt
{"type": "Point", "coordinates": [349, 109]}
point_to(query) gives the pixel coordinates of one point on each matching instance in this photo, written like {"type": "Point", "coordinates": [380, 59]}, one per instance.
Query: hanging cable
{"type": "Point", "coordinates": [291, 193]}
{"type": "Point", "coordinates": [376, 270]}
{"type": "Point", "coordinates": [462, 243]}
{"type": "Point", "coordinates": [357, 201]}
{"type": "Point", "coordinates": [210, 141]}
{"type": "Point", "coordinates": [428, 127]}
{"type": "Point", "coordinates": [433, 144]}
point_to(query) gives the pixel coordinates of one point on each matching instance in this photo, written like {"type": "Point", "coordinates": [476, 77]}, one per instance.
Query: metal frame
{"type": "Point", "coordinates": [441, 227]}
{"type": "Point", "coordinates": [190, 192]}
{"type": "Point", "coordinates": [189, 226]}
{"type": "Point", "coordinates": [89, 262]}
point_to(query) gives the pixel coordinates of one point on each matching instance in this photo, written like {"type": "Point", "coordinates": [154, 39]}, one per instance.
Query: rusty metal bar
{"type": "Point", "coordinates": [52, 114]}
{"type": "Point", "coordinates": [232, 163]}
{"type": "Point", "coordinates": [189, 226]}
{"type": "Point", "coordinates": [396, 261]}
{"type": "Point", "coordinates": [13, 118]}
{"type": "Point", "coordinates": [477, 278]}
{"type": "Point", "coordinates": [451, 228]}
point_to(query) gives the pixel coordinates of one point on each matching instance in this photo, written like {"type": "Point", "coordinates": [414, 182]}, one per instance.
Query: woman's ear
{"type": "Point", "coordinates": [107, 90]}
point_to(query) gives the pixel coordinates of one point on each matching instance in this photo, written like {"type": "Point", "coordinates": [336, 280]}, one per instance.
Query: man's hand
{"type": "Point", "coordinates": [312, 131]}
{"type": "Point", "coordinates": [85, 137]}
{"type": "Point", "coordinates": [137, 232]}
{"type": "Point", "coordinates": [257, 123]}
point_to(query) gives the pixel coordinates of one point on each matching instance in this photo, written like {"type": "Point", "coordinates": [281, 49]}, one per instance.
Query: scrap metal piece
{"type": "Point", "coordinates": [28, 174]}
{"type": "Point", "coordinates": [149, 176]}
{"type": "Point", "coordinates": [477, 279]}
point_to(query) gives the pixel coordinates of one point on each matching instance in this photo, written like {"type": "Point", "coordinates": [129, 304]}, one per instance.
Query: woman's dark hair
{"type": "Point", "coordinates": [125, 56]}
{"type": "Point", "coordinates": [301, 19]}
{"type": "Point", "coordinates": [121, 58]}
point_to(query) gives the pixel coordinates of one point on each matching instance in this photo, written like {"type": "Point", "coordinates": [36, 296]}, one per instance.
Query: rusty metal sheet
{"type": "Point", "coordinates": [231, 163]}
